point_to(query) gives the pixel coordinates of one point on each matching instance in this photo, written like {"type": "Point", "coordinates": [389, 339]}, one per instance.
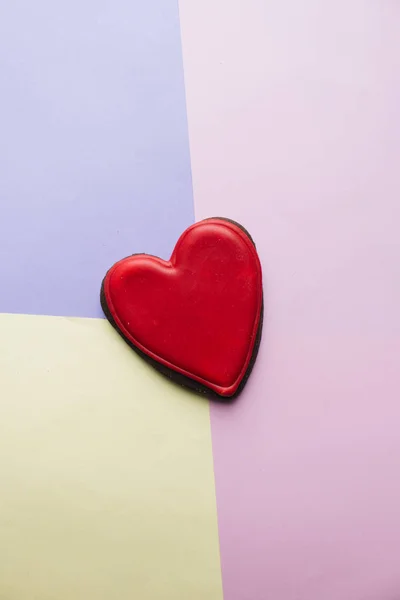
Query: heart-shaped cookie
{"type": "Point", "coordinates": [197, 317]}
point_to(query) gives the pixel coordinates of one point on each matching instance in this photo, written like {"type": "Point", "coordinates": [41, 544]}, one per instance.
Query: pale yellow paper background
{"type": "Point", "coordinates": [106, 474]}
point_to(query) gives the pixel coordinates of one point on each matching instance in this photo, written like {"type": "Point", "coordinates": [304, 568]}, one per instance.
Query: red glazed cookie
{"type": "Point", "coordinates": [197, 317]}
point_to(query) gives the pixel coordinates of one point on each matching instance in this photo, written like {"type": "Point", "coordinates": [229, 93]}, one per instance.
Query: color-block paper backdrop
{"type": "Point", "coordinates": [107, 470]}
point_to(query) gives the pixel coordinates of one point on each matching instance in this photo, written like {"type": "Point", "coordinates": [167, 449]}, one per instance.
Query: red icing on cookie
{"type": "Point", "coordinates": [197, 314]}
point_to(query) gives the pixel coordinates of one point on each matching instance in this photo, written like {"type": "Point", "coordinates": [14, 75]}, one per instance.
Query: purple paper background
{"type": "Point", "coordinates": [94, 155]}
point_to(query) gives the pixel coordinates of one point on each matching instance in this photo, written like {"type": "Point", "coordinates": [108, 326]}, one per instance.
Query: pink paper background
{"type": "Point", "coordinates": [294, 126]}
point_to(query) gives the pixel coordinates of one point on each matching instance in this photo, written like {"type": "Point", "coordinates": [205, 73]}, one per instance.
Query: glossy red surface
{"type": "Point", "coordinates": [198, 313]}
